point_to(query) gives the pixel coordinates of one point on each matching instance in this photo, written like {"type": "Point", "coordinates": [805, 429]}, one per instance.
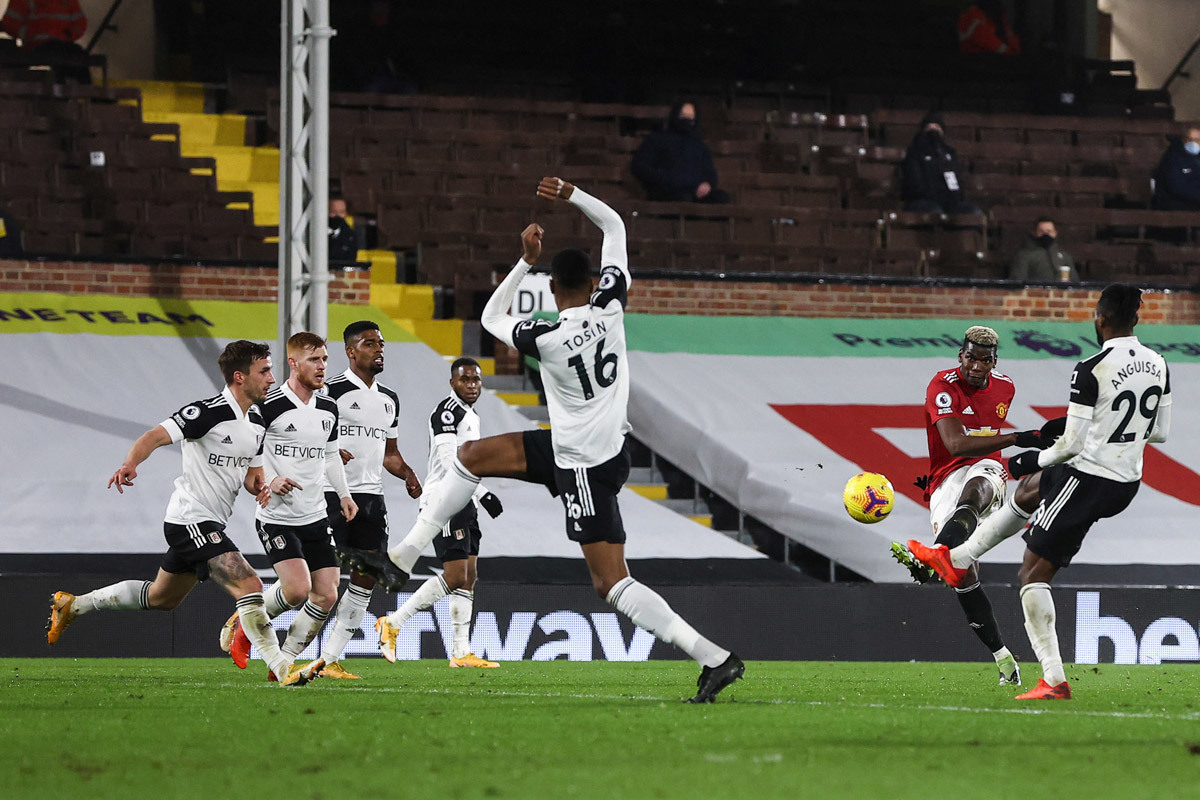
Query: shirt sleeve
{"type": "Point", "coordinates": [939, 401]}
{"type": "Point", "coordinates": [445, 420]}
{"type": "Point", "coordinates": [613, 286]}
{"type": "Point", "coordinates": [495, 318]}
{"type": "Point", "coordinates": [525, 335]}
{"type": "Point", "coordinates": [190, 422]}
{"type": "Point", "coordinates": [613, 252]}
{"type": "Point", "coordinates": [1084, 387]}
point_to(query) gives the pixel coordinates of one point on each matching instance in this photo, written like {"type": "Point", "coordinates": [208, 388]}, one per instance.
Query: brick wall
{"type": "Point", "coordinates": [922, 302]}
{"type": "Point", "coordinates": [352, 287]}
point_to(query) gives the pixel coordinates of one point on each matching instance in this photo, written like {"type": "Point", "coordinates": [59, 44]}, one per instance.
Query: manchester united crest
{"type": "Point", "coordinates": [1001, 410]}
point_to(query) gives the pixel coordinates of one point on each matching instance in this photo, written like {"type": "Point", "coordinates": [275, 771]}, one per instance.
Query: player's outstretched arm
{"type": "Point", "coordinates": [394, 463]}
{"type": "Point", "coordinates": [613, 252]}
{"type": "Point", "coordinates": [1069, 445]}
{"type": "Point", "coordinates": [495, 318]}
{"type": "Point", "coordinates": [141, 449]}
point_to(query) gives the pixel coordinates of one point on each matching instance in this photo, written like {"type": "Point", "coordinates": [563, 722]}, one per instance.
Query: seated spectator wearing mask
{"type": "Point", "coordinates": [1041, 259]}
{"type": "Point", "coordinates": [930, 173]}
{"type": "Point", "coordinates": [343, 240]}
{"type": "Point", "coordinates": [1177, 176]}
{"type": "Point", "coordinates": [674, 164]}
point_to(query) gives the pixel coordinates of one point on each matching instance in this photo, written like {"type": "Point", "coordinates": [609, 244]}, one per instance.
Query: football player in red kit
{"type": "Point", "coordinates": [965, 409]}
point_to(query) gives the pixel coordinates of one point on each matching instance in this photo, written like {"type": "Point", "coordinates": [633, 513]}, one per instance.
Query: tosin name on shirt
{"type": "Point", "coordinates": [240, 462]}
{"type": "Point", "coordinates": [361, 430]}
{"type": "Point", "coordinates": [296, 451]}
{"type": "Point", "coordinates": [590, 333]}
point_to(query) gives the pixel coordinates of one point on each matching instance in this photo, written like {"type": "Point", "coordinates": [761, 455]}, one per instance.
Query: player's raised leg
{"type": "Point", "coordinates": [1001, 524]}
{"type": "Point", "coordinates": [501, 456]}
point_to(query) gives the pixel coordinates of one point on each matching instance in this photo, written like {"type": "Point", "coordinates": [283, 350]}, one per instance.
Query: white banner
{"type": "Point", "coordinates": [779, 436]}
{"type": "Point", "coordinates": [71, 404]}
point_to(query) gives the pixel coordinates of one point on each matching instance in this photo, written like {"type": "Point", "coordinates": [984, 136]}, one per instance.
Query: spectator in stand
{"type": "Point", "coordinates": [674, 164]}
{"type": "Point", "coordinates": [930, 172]}
{"type": "Point", "coordinates": [984, 28]}
{"type": "Point", "coordinates": [1177, 177]}
{"type": "Point", "coordinates": [1041, 259]}
{"type": "Point", "coordinates": [343, 240]}
{"type": "Point", "coordinates": [10, 236]}
{"type": "Point", "coordinates": [51, 28]}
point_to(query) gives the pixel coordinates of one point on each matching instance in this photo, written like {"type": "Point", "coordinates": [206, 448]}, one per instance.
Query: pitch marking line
{"type": "Point", "coordinates": [1190, 716]}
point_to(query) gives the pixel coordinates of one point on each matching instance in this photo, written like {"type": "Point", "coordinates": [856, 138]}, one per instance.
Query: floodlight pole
{"type": "Point", "coordinates": [303, 171]}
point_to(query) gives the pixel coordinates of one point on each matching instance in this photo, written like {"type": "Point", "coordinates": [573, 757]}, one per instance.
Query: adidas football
{"type": "Point", "coordinates": [868, 497]}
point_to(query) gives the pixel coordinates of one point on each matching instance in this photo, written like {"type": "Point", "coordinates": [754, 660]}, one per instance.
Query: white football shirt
{"type": "Point", "coordinates": [301, 443]}
{"type": "Point", "coordinates": [452, 423]}
{"type": "Point", "coordinates": [1122, 389]}
{"type": "Point", "coordinates": [367, 417]}
{"type": "Point", "coordinates": [219, 444]}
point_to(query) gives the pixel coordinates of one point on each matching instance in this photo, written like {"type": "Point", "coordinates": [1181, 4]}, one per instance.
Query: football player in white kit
{"type": "Point", "coordinates": [220, 437]}
{"type": "Point", "coordinates": [1120, 402]}
{"type": "Point", "coordinates": [454, 422]}
{"type": "Point", "coordinates": [582, 457]}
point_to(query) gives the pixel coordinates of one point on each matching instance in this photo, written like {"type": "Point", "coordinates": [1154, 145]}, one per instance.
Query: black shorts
{"type": "Point", "coordinates": [313, 542]}
{"type": "Point", "coordinates": [368, 530]}
{"type": "Point", "coordinates": [190, 547]}
{"type": "Point", "coordinates": [589, 494]}
{"type": "Point", "coordinates": [539, 459]}
{"type": "Point", "coordinates": [1072, 501]}
{"type": "Point", "coordinates": [460, 537]}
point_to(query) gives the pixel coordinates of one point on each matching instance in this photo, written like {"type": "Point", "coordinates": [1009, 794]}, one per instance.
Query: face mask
{"type": "Point", "coordinates": [1046, 240]}
{"type": "Point", "coordinates": [1193, 148]}
{"type": "Point", "coordinates": [684, 125]}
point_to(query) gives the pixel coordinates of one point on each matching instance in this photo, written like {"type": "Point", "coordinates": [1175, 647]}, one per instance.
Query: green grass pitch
{"type": "Point", "coordinates": [200, 728]}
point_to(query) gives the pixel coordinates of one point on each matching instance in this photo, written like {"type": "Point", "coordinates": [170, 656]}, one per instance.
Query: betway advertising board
{"type": "Point", "coordinates": [775, 414]}
{"type": "Point", "coordinates": [540, 622]}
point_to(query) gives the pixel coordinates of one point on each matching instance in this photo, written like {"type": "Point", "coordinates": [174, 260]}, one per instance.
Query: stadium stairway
{"type": "Point", "coordinates": [649, 483]}
{"type": "Point", "coordinates": [222, 137]}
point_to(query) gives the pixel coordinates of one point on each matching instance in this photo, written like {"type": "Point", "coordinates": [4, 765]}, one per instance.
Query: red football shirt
{"type": "Point", "coordinates": [981, 411]}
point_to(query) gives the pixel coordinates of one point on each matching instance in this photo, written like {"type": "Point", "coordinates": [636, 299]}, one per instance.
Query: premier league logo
{"type": "Point", "coordinates": [1044, 343]}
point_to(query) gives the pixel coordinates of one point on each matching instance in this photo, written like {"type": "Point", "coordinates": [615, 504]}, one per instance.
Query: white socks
{"type": "Point", "coordinates": [447, 497]}
{"type": "Point", "coordinates": [647, 609]}
{"type": "Point", "coordinates": [127, 595]}
{"type": "Point", "coordinates": [993, 529]}
{"type": "Point", "coordinates": [275, 602]}
{"type": "Point", "coordinates": [430, 592]}
{"type": "Point", "coordinates": [258, 630]}
{"type": "Point", "coordinates": [304, 629]}
{"type": "Point", "coordinates": [348, 622]}
{"type": "Point", "coordinates": [462, 603]}
{"type": "Point", "coordinates": [1039, 624]}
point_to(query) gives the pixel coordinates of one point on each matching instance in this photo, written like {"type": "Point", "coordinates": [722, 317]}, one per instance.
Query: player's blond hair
{"type": "Point", "coordinates": [982, 336]}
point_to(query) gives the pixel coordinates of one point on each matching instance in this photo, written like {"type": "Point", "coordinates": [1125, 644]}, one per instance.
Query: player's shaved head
{"type": "Point", "coordinates": [304, 341]}
{"type": "Point", "coordinates": [571, 269]}
{"type": "Point", "coordinates": [1119, 304]}
{"type": "Point", "coordinates": [238, 356]}
{"type": "Point", "coordinates": [356, 329]}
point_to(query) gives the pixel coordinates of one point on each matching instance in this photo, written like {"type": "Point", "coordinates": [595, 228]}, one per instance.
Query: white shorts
{"type": "Point", "coordinates": [943, 501]}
